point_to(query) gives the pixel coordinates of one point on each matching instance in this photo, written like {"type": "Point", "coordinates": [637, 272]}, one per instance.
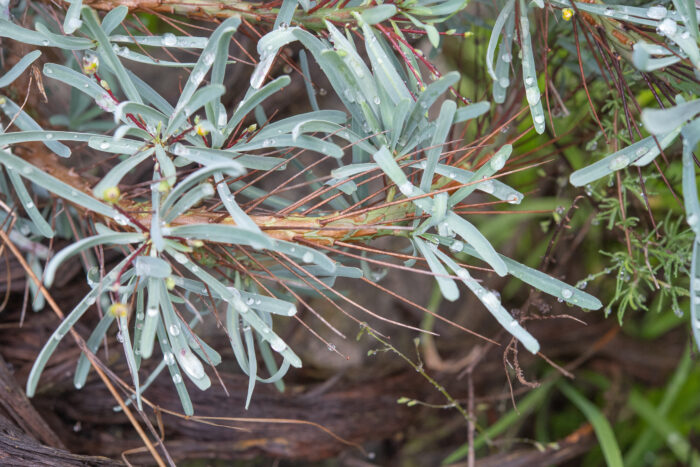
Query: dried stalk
{"type": "Point", "coordinates": [312, 229]}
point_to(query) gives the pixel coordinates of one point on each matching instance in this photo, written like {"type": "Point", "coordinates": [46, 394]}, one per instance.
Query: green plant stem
{"type": "Point", "coordinates": [419, 369]}
{"type": "Point", "coordinates": [527, 404]}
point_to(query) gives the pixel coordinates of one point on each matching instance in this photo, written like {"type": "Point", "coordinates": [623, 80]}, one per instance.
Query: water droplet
{"type": "Point", "coordinates": [307, 257]}
{"type": "Point", "coordinates": [533, 95]}
{"type": "Point", "coordinates": [177, 379]}
{"type": "Point", "coordinates": [462, 274]}
{"type": "Point", "coordinates": [491, 300]}
{"type": "Point", "coordinates": [609, 12]}
{"type": "Point", "coordinates": [506, 57]}
{"type": "Point", "coordinates": [45, 42]}
{"type": "Point", "coordinates": [498, 162]}
{"type": "Point", "coordinates": [268, 142]}
{"type": "Point", "coordinates": [657, 12]}
{"type": "Point", "coordinates": [539, 119]}
{"type": "Point", "coordinates": [120, 338]}
{"type": "Point", "coordinates": [174, 330]}
{"type": "Point", "coordinates": [169, 39]}
{"type": "Point", "coordinates": [104, 145]}
{"type": "Point", "coordinates": [250, 301]}
{"type": "Point", "coordinates": [406, 188]}
{"type": "Point", "coordinates": [277, 344]}
{"type": "Point", "coordinates": [208, 58]}
{"type": "Point", "coordinates": [191, 364]}
{"type": "Point", "coordinates": [566, 293]}
{"type": "Point", "coordinates": [349, 95]}
{"type": "Point", "coordinates": [620, 162]}
{"type": "Point", "coordinates": [121, 219]}
{"type": "Point", "coordinates": [27, 170]}
{"type": "Point", "coordinates": [692, 219]}
{"type": "Point", "coordinates": [503, 82]}
{"type": "Point", "coordinates": [197, 76]}
{"type": "Point", "coordinates": [456, 246]}
{"type": "Point", "coordinates": [169, 358]}
{"type": "Point", "coordinates": [486, 186]}
{"type": "Point", "coordinates": [514, 198]}
{"type": "Point", "coordinates": [180, 258]}
{"type": "Point", "coordinates": [668, 27]}
{"type": "Point", "coordinates": [331, 347]}
{"type": "Point", "coordinates": [292, 311]}
{"type": "Point", "coordinates": [152, 312]}
{"type": "Point", "coordinates": [73, 24]}
{"type": "Point", "coordinates": [377, 100]}
{"type": "Point", "coordinates": [29, 205]}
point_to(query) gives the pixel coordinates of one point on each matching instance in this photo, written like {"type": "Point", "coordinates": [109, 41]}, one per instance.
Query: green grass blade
{"type": "Point", "coordinates": [601, 426]}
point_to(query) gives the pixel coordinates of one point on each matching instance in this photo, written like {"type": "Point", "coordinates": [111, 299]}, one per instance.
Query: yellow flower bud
{"type": "Point", "coordinates": [105, 85]}
{"type": "Point", "coordinates": [169, 283]}
{"type": "Point", "coordinates": [567, 14]}
{"type": "Point", "coordinates": [90, 64]}
{"type": "Point", "coordinates": [111, 194]}
{"type": "Point", "coordinates": [118, 309]}
{"type": "Point", "coordinates": [200, 130]}
{"type": "Point", "coordinates": [252, 128]}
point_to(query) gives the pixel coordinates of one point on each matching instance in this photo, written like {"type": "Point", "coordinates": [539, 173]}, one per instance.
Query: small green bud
{"type": "Point", "coordinates": [164, 186]}
{"type": "Point", "coordinates": [111, 194]}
